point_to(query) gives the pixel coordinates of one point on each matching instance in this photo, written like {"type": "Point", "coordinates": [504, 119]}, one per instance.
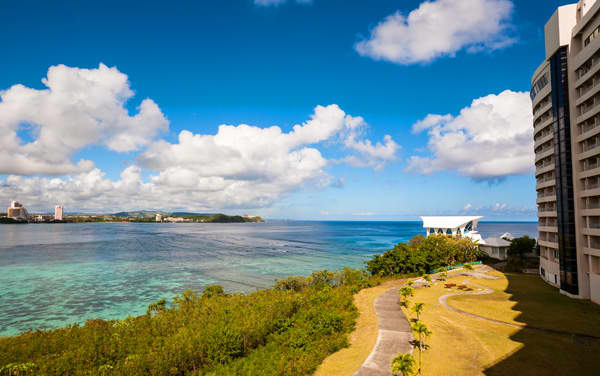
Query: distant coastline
{"type": "Point", "coordinates": [138, 217]}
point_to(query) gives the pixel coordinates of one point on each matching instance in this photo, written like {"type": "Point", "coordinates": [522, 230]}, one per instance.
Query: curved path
{"type": "Point", "coordinates": [394, 336]}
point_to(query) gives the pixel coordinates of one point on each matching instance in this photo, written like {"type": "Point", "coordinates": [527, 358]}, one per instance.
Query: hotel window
{"type": "Point", "coordinates": [556, 253]}
{"type": "Point", "coordinates": [592, 36]}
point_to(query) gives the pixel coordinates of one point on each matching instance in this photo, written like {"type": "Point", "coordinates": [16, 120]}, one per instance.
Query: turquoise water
{"type": "Point", "coordinates": [53, 275]}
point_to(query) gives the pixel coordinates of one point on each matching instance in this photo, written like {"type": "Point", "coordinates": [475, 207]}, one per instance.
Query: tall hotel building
{"type": "Point", "coordinates": [565, 90]}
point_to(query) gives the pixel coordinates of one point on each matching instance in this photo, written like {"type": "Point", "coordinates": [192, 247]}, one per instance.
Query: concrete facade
{"type": "Point", "coordinates": [566, 109]}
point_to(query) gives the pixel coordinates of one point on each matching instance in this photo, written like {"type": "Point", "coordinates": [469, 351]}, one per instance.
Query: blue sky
{"type": "Point", "coordinates": [235, 62]}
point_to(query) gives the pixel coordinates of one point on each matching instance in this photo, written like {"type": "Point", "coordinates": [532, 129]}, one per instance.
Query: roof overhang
{"type": "Point", "coordinates": [451, 222]}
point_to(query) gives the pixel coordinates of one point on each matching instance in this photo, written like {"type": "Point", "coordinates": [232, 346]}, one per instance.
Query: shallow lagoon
{"type": "Point", "coordinates": [53, 275]}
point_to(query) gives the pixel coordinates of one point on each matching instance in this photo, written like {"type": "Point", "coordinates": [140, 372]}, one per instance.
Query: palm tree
{"type": "Point", "coordinates": [405, 292]}
{"type": "Point", "coordinates": [403, 364]}
{"type": "Point", "coordinates": [418, 308]}
{"type": "Point", "coordinates": [422, 332]}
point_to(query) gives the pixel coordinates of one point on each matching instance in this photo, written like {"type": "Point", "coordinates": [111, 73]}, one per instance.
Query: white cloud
{"type": "Point", "coordinates": [467, 207]}
{"type": "Point", "coordinates": [238, 167]}
{"type": "Point", "coordinates": [80, 107]}
{"type": "Point", "coordinates": [440, 28]}
{"type": "Point", "coordinates": [489, 140]}
{"type": "Point", "coordinates": [500, 206]}
{"type": "Point", "coordinates": [267, 3]}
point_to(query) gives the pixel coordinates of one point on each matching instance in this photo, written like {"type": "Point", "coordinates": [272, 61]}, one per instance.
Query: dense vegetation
{"type": "Point", "coordinates": [423, 255]}
{"type": "Point", "coordinates": [9, 221]}
{"type": "Point", "coordinates": [288, 329]}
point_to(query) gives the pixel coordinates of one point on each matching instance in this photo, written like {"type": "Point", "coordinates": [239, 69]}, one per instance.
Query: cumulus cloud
{"type": "Point", "coordinates": [79, 107]}
{"type": "Point", "coordinates": [267, 3]}
{"type": "Point", "coordinates": [467, 207]}
{"type": "Point", "coordinates": [240, 166]}
{"type": "Point", "coordinates": [440, 28]}
{"type": "Point", "coordinates": [489, 140]}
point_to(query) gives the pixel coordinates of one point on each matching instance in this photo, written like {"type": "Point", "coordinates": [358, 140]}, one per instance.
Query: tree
{"type": "Point", "coordinates": [422, 332]}
{"type": "Point", "coordinates": [443, 276]}
{"type": "Point", "coordinates": [418, 308]}
{"type": "Point", "coordinates": [406, 292]}
{"type": "Point", "coordinates": [214, 290]}
{"type": "Point", "coordinates": [522, 245]}
{"type": "Point", "coordinates": [427, 279]}
{"type": "Point", "coordinates": [403, 364]}
{"type": "Point", "coordinates": [416, 240]}
{"type": "Point", "coordinates": [410, 283]}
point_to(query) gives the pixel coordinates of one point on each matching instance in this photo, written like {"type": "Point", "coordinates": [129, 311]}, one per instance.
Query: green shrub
{"type": "Point", "coordinates": [423, 256]}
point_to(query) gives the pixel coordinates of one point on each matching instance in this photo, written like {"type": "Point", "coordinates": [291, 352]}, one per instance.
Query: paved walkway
{"type": "Point", "coordinates": [394, 336]}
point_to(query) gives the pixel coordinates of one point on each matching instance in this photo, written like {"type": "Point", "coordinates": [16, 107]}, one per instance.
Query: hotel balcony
{"type": "Point", "coordinates": [591, 231]}
{"type": "Point", "coordinates": [548, 244]}
{"type": "Point", "coordinates": [546, 168]}
{"type": "Point", "coordinates": [546, 183]}
{"type": "Point", "coordinates": [548, 229]}
{"type": "Point", "coordinates": [547, 214]}
{"type": "Point", "coordinates": [544, 154]}
{"type": "Point", "coordinates": [546, 198]}
{"type": "Point", "coordinates": [542, 140]}
{"type": "Point", "coordinates": [543, 124]}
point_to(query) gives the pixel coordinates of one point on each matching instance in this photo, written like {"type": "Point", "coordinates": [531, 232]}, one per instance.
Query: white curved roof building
{"type": "Point", "coordinates": [453, 225]}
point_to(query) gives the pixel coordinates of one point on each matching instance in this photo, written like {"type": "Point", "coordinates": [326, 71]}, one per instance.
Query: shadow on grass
{"type": "Point", "coordinates": [543, 352]}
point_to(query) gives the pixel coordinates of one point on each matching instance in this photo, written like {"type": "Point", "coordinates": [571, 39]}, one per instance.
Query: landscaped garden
{"type": "Point", "coordinates": [466, 345]}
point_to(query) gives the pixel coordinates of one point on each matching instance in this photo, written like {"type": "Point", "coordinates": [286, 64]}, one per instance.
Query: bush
{"type": "Point", "coordinates": [423, 256]}
{"type": "Point", "coordinates": [520, 246]}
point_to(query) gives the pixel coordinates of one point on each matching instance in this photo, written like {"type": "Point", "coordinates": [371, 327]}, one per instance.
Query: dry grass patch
{"type": "Point", "coordinates": [463, 345]}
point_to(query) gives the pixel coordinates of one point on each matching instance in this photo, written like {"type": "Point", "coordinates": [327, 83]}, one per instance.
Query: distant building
{"type": "Point", "coordinates": [174, 219]}
{"type": "Point", "coordinates": [159, 217]}
{"type": "Point", "coordinates": [453, 225]}
{"type": "Point", "coordinates": [495, 247]}
{"type": "Point", "coordinates": [17, 211]}
{"type": "Point", "coordinates": [58, 213]}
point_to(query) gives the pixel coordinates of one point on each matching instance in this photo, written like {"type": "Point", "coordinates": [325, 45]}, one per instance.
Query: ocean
{"type": "Point", "coordinates": [52, 275]}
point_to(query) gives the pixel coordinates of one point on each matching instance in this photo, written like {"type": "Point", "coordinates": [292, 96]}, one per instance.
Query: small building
{"type": "Point", "coordinates": [453, 225]}
{"type": "Point", "coordinates": [58, 213]}
{"type": "Point", "coordinates": [495, 247]}
{"type": "Point", "coordinates": [17, 212]}
{"type": "Point", "coordinates": [159, 217]}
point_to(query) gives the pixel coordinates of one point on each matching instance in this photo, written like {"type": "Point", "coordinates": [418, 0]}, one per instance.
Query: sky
{"type": "Point", "coordinates": [323, 109]}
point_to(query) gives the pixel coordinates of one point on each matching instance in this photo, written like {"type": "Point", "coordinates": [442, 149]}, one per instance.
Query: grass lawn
{"type": "Point", "coordinates": [463, 345]}
{"type": "Point", "coordinates": [362, 340]}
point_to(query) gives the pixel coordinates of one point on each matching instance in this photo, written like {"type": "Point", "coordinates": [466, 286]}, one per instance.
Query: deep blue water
{"type": "Point", "coordinates": [53, 275]}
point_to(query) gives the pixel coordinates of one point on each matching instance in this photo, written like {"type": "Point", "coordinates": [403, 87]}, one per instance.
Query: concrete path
{"type": "Point", "coordinates": [394, 336]}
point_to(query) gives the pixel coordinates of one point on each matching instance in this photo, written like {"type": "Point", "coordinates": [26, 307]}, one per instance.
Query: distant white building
{"type": "Point", "coordinates": [17, 211]}
{"type": "Point", "coordinates": [58, 213]}
{"type": "Point", "coordinates": [453, 225]}
{"type": "Point", "coordinates": [159, 217]}
{"type": "Point", "coordinates": [495, 247]}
